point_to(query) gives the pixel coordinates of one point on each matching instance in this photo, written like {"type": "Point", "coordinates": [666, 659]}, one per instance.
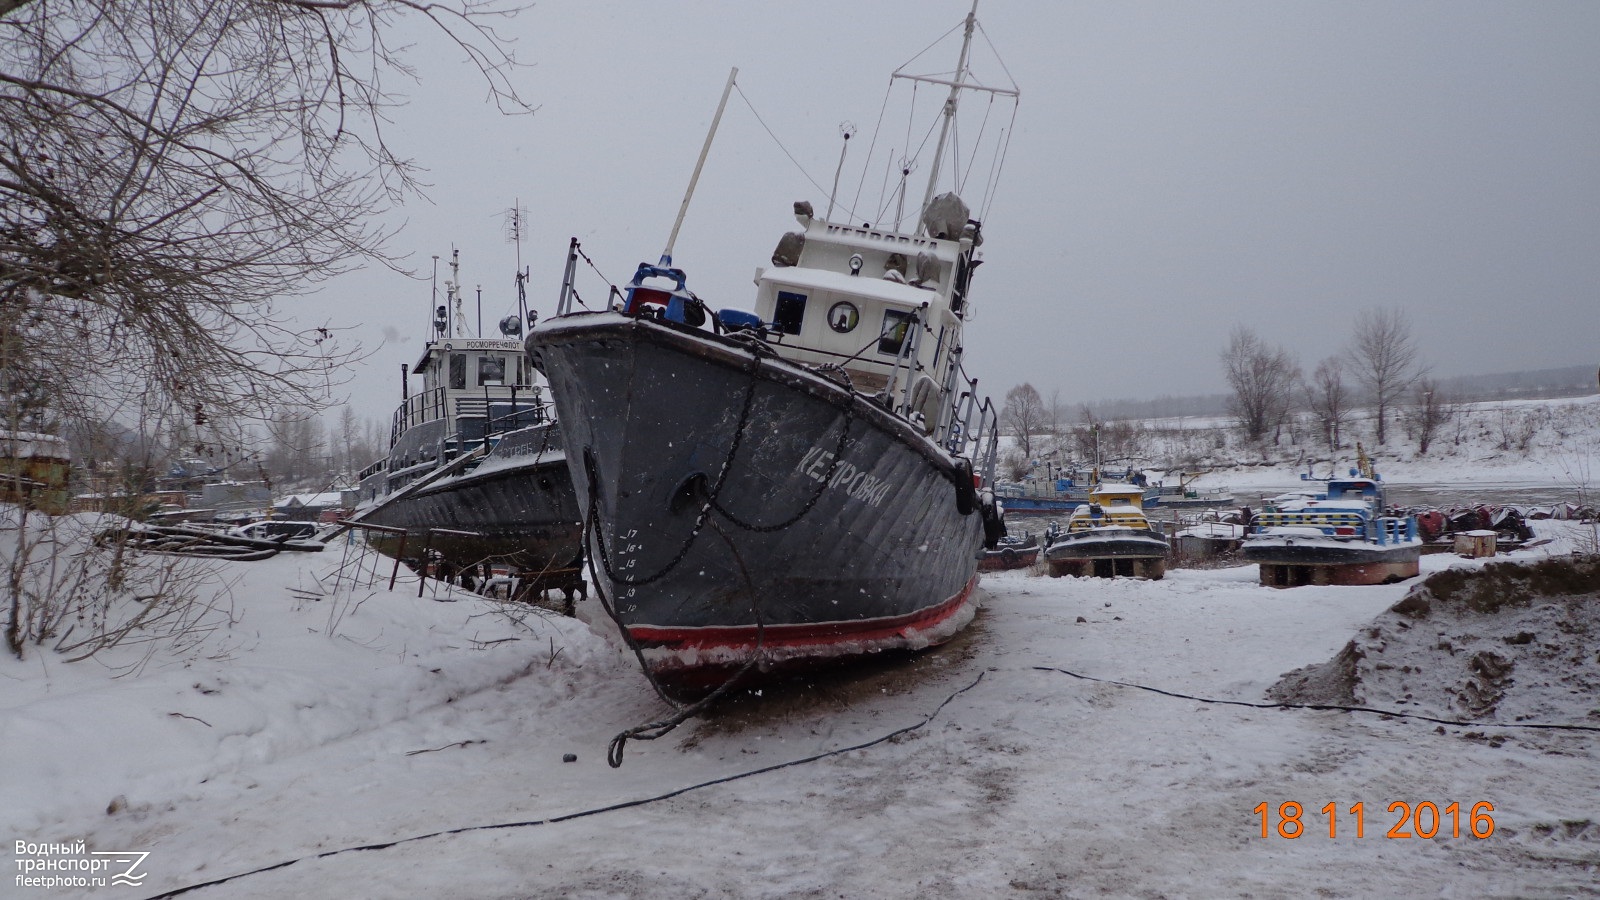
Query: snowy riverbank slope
{"type": "Point", "coordinates": [1550, 448]}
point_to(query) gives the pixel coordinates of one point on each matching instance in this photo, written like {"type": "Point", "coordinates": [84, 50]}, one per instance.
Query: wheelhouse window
{"type": "Point", "coordinates": [892, 337]}
{"type": "Point", "coordinates": [458, 371]}
{"type": "Point", "coordinates": [790, 312]}
{"type": "Point", "coordinates": [509, 417]}
{"type": "Point", "coordinates": [491, 370]}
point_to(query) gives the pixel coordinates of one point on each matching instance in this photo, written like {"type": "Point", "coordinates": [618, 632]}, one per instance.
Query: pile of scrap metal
{"type": "Point", "coordinates": [180, 540]}
{"type": "Point", "coordinates": [1566, 510]}
{"type": "Point", "coordinates": [1438, 527]}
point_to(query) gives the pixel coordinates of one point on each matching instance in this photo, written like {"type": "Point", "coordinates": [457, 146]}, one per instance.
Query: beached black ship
{"type": "Point", "coordinates": [794, 485]}
{"type": "Point", "coordinates": [476, 473]}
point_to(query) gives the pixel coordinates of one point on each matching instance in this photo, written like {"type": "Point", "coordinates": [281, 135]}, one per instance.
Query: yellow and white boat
{"type": "Point", "coordinates": [1109, 536]}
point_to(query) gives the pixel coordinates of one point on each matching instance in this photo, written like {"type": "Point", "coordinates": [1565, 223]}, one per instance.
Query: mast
{"type": "Point", "coordinates": [452, 293]}
{"type": "Point", "coordinates": [683, 208]}
{"type": "Point", "coordinates": [950, 106]}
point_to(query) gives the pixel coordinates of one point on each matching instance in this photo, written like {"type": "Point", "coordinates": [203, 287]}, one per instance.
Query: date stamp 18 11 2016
{"type": "Point", "coordinates": [1424, 819]}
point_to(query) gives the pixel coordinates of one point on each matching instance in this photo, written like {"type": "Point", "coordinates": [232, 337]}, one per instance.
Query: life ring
{"type": "Point", "coordinates": [1008, 556]}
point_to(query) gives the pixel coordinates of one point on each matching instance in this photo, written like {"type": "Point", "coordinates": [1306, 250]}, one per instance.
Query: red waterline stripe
{"type": "Point", "coordinates": [741, 636]}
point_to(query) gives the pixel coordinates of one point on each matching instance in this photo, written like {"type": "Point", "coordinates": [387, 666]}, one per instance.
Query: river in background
{"type": "Point", "coordinates": [1522, 495]}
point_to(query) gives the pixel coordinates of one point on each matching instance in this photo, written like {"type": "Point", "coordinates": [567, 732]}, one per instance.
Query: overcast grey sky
{"type": "Point", "coordinates": [1177, 169]}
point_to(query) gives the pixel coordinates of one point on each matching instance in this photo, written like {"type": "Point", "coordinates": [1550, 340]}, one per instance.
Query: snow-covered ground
{"type": "Point", "coordinates": [363, 742]}
{"type": "Point", "coordinates": [296, 733]}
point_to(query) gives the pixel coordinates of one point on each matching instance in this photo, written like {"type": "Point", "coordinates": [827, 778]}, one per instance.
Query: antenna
{"type": "Point", "coordinates": [847, 130]}
{"type": "Point", "coordinates": [515, 225]}
{"type": "Point", "coordinates": [434, 306]}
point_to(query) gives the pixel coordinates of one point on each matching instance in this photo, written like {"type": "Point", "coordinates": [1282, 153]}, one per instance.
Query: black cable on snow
{"type": "Point", "coordinates": [1323, 706]}
{"type": "Point", "coordinates": [626, 804]}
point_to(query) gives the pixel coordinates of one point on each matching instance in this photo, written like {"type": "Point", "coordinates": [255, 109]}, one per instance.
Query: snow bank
{"type": "Point", "coordinates": [296, 665]}
{"type": "Point", "coordinates": [1508, 642]}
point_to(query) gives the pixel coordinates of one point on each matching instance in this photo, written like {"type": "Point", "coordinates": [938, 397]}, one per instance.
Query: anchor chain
{"type": "Point", "coordinates": [712, 494]}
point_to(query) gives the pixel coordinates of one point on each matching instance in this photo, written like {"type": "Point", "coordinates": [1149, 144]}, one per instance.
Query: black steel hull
{"type": "Point", "coordinates": [747, 508]}
{"type": "Point", "coordinates": [1312, 552]}
{"type": "Point", "coordinates": [523, 515]}
{"type": "Point", "coordinates": [1108, 552]}
{"type": "Point", "coordinates": [1299, 561]}
{"type": "Point", "coordinates": [1093, 545]}
{"type": "Point", "coordinates": [1009, 556]}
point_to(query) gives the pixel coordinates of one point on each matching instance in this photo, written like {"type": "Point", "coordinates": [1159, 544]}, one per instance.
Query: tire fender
{"type": "Point", "coordinates": [966, 491]}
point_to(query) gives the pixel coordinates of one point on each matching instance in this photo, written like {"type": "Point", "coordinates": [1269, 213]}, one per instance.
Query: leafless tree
{"type": "Point", "coordinates": [1457, 413]}
{"type": "Point", "coordinates": [171, 169]}
{"type": "Point", "coordinates": [1516, 428]}
{"type": "Point", "coordinates": [1430, 410]}
{"type": "Point", "coordinates": [1086, 437]}
{"type": "Point", "coordinates": [1385, 359]}
{"type": "Point", "coordinates": [1121, 441]}
{"type": "Point", "coordinates": [1024, 415]}
{"type": "Point", "coordinates": [375, 437]}
{"type": "Point", "coordinates": [298, 450]}
{"type": "Point", "coordinates": [1053, 418]}
{"type": "Point", "coordinates": [351, 459]}
{"type": "Point", "coordinates": [1262, 380]}
{"type": "Point", "coordinates": [1328, 398]}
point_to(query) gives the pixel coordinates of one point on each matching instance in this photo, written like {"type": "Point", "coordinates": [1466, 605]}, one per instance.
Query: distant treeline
{"type": "Point", "coordinates": [1539, 384]}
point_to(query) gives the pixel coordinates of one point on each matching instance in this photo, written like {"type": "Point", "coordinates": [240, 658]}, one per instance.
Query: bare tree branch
{"type": "Point", "coordinates": [170, 170]}
{"type": "Point", "coordinates": [1429, 412]}
{"type": "Point", "coordinates": [1385, 359]}
{"type": "Point", "coordinates": [1024, 414]}
{"type": "Point", "coordinates": [1328, 398]}
{"type": "Point", "coordinates": [1262, 379]}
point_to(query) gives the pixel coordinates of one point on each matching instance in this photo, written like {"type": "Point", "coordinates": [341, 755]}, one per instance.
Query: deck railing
{"type": "Point", "coordinates": [1381, 531]}
{"type": "Point", "coordinates": [427, 406]}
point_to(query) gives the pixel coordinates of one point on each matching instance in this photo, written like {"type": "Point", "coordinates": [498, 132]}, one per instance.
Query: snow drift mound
{"type": "Point", "coordinates": [1509, 642]}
